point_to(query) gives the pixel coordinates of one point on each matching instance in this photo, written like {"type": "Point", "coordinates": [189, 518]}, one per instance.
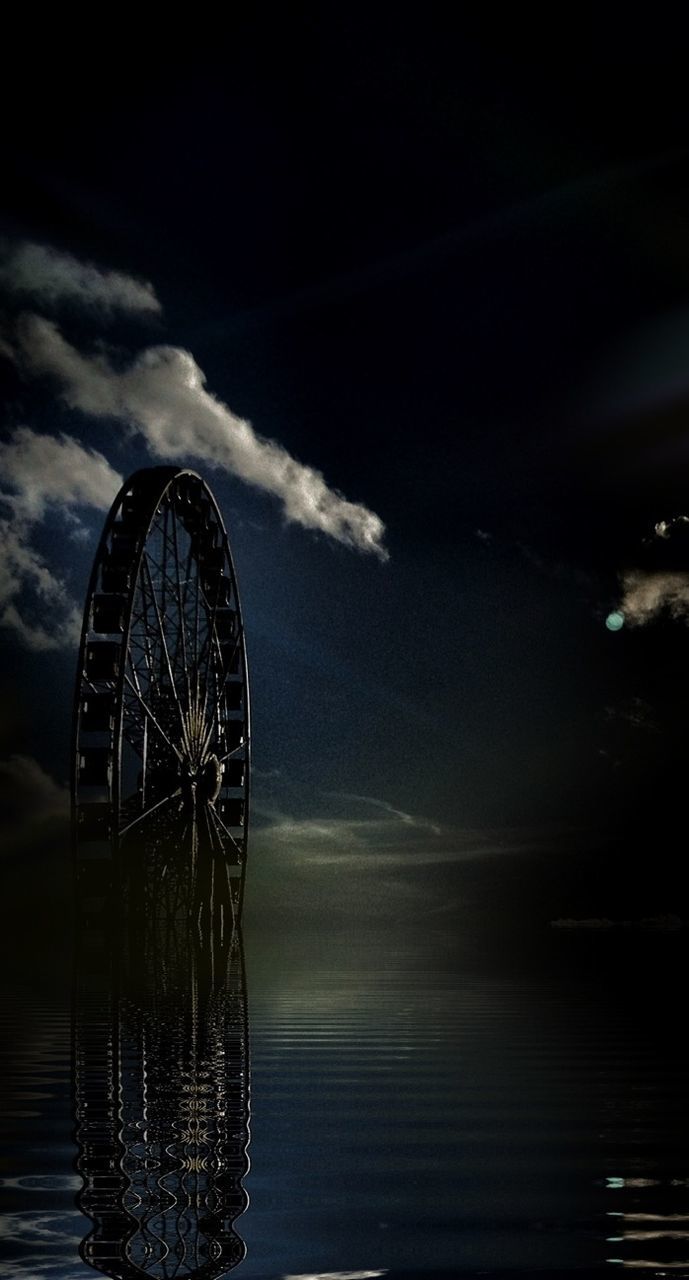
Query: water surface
{"type": "Point", "coordinates": [417, 1106]}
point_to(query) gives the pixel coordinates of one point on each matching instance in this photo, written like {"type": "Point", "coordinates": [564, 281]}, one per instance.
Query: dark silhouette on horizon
{"type": "Point", "coordinates": [161, 727]}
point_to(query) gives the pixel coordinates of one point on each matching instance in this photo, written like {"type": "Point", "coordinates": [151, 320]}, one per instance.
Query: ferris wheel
{"type": "Point", "coordinates": [161, 719]}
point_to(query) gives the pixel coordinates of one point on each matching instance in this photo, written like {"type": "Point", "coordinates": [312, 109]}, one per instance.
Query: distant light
{"type": "Point", "coordinates": [615, 621]}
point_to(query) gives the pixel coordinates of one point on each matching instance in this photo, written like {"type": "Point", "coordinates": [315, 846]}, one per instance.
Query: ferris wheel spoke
{"type": "Point", "coordinates": [234, 751]}
{"type": "Point", "coordinates": [187, 574]}
{"type": "Point", "coordinates": [152, 717]}
{"type": "Point", "coordinates": [214, 725]}
{"type": "Point", "coordinates": [196, 632]}
{"type": "Point", "coordinates": [147, 813]}
{"type": "Point", "coordinates": [217, 819]}
{"type": "Point", "coordinates": [211, 640]}
{"type": "Point", "coordinates": [163, 565]}
{"type": "Point", "coordinates": [212, 728]}
{"type": "Point", "coordinates": [214, 838]}
{"type": "Point", "coordinates": [143, 639]}
{"type": "Point", "coordinates": [171, 587]}
{"type": "Point", "coordinates": [166, 652]}
{"type": "Point", "coordinates": [225, 895]}
{"type": "Point", "coordinates": [135, 673]}
{"type": "Point", "coordinates": [185, 637]}
{"type": "Point", "coordinates": [182, 621]}
{"type": "Point", "coordinates": [220, 667]}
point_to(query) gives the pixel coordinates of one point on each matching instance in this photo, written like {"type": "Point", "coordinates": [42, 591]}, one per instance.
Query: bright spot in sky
{"type": "Point", "coordinates": [614, 621]}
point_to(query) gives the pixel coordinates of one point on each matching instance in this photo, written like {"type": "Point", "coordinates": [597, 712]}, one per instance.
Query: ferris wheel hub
{"type": "Point", "coordinates": [201, 783]}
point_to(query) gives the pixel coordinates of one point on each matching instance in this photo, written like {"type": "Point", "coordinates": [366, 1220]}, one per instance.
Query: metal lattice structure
{"type": "Point", "coordinates": [161, 720]}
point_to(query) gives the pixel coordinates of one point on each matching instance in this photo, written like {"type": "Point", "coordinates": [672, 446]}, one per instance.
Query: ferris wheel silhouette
{"type": "Point", "coordinates": [161, 736]}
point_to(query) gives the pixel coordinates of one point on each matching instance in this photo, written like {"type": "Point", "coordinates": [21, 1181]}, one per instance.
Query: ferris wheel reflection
{"type": "Point", "coordinates": [161, 1088]}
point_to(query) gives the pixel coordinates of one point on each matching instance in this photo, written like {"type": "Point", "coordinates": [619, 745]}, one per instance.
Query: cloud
{"type": "Point", "coordinates": [162, 396]}
{"type": "Point", "coordinates": [44, 274]}
{"type": "Point", "coordinates": [30, 592]}
{"type": "Point", "coordinates": [664, 528]}
{"type": "Point", "coordinates": [633, 711]}
{"type": "Point", "coordinates": [41, 473]}
{"type": "Point", "coordinates": [407, 819]}
{"type": "Point", "coordinates": [395, 837]}
{"type": "Point", "coordinates": [32, 791]}
{"type": "Point", "coordinates": [334, 1275]}
{"type": "Point", "coordinates": [597, 922]}
{"type": "Point", "coordinates": [668, 923]}
{"type": "Point", "coordinates": [6, 348]}
{"type": "Point", "coordinates": [375, 868]}
{"type": "Point", "coordinates": [40, 470]}
{"type": "Point", "coordinates": [648, 593]}
{"type": "Point", "coordinates": [34, 810]}
{"type": "Point", "coordinates": [390, 840]}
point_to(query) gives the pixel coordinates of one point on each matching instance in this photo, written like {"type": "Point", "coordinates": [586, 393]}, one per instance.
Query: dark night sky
{"type": "Point", "coordinates": [450, 271]}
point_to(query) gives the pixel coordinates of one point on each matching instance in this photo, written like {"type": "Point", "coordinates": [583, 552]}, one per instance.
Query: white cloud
{"type": "Point", "coordinates": [407, 819]}
{"type": "Point", "coordinates": [34, 602]}
{"type": "Point", "coordinates": [664, 528]}
{"type": "Point", "coordinates": [40, 639]}
{"type": "Point", "coordinates": [50, 277]}
{"type": "Point", "coordinates": [40, 470]}
{"type": "Point", "coordinates": [396, 837]}
{"type": "Point", "coordinates": [162, 396]}
{"type": "Point", "coordinates": [342, 843]}
{"type": "Point", "coordinates": [335, 1275]}
{"type": "Point", "coordinates": [389, 840]}
{"type": "Point", "coordinates": [649, 593]}
{"type": "Point", "coordinates": [40, 473]}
